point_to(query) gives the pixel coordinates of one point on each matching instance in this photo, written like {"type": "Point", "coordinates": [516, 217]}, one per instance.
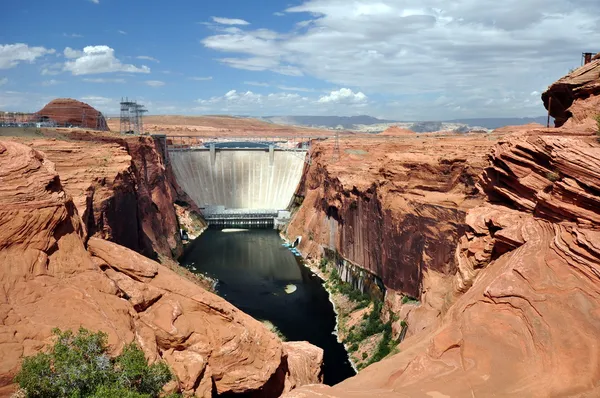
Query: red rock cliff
{"type": "Point", "coordinates": [395, 207]}
{"type": "Point", "coordinates": [574, 100]}
{"type": "Point", "coordinates": [121, 188]}
{"type": "Point", "coordinates": [49, 278]}
{"type": "Point", "coordinates": [524, 305]}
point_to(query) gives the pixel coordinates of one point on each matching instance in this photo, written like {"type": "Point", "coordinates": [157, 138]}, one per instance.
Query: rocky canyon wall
{"type": "Point", "coordinates": [395, 207]}
{"type": "Point", "coordinates": [523, 308]}
{"type": "Point", "coordinates": [122, 189]}
{"type": "Point", "coordinates": [53, 274]}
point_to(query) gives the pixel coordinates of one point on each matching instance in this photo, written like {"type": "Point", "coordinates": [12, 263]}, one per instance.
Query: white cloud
{"type": "Point", "coordinates": [279, 14]}
{"type": "Point", "coordinates": [3, 81]}
{"type": "Point", "coordinates": [244, 101]}
{"type": "Point", "coordinates": [12, 54]}
{"type": "Point", "coordinates": [148, 58]}
{"type": "Point", "coordinates": [73, 35]}
{"type": "Point", "coordinates": [154, 83]}
{"type": "Point", "coordinates": [201, 79]}
{"type": "Point", "coordinates": [121, 32]}
{"type": "Point", "coordinates": [51, 82]}
{"type": "Point", "coordinates": [230, 21]}
{"type": "Point", "coordinates": [72, 54]}
{"type": "Point", "coordinates": [100, 59]}
{"type": "Point", "coordinates": [343, 96]}
{"type": "Point", "coordinates": [425, 48]}
{"type": "Point", "coordinates": [103, 80]}
{"type": "Point", "coordinates": [95, 1]}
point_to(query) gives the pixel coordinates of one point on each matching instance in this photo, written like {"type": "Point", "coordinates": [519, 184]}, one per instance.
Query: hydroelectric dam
{"type": "Point", "coordinates": [239, 181]}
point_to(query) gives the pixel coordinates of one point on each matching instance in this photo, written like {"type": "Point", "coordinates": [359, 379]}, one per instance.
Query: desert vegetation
{"type": "Point", "coordinates": [78, 365]}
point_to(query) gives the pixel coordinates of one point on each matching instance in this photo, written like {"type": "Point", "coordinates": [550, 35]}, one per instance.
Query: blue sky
{"type": "Point", "coordinates": [399, 59]}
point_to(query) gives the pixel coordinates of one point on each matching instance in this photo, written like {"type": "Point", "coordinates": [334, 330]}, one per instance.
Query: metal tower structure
{"type": "Point", "coordinates": [131, 117]}
{"type": "Point", "coordinates": [336, 147]}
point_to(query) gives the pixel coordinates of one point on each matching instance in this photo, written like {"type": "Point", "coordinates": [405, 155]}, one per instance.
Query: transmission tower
{"type": "Point", "coordinates": [336, 147]}
{"type": "Point", "coordinates": [131, 117]}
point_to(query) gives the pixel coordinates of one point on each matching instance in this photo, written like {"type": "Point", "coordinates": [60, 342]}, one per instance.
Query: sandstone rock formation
{"type": "Point", "coordinates": [70, 112]}
{"type": "Point", "coordinates": [50, 279]}
{"type": "Point", "coordinates": [574, 98]}
{"type": "Point", "coordinates": [121, 188]}
{"type": "Point", "coordinates": [394, 207]}
{"type": "Point", "coordinates": [524, 312]}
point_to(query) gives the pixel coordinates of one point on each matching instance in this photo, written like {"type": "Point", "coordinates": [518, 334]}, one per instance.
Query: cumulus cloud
{"type": "Point", "coordinates": [95, 1]}
{"type": "Point", "coordinates": [99, 59]}
{"type": "Point", "coordinates": [13, 54]}
{"type": "Point", "coordinates": [154, 83]}
{"type": "Point", "coordinates": [425, 48]}
{"type": "Point", "coordinates": [343, 96]}
{"type": "Point", "coordinates": [230, 21]}
{"type": "Point", "coordinates": [148, 58]}
{"type": "Point", "coordinates": [71, 53]}
{"type": "Point", "coordinates": [245, 101]}
{"type": "Point", "coordinates": [200, 79]}
{"type": "Point", "coordinates": [343, 102]}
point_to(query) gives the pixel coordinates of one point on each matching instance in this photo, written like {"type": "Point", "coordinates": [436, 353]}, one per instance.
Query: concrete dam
{"type": "Point", "coordinates": [232, 185]}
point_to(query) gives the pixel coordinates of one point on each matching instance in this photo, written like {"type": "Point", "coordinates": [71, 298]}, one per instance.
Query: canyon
{"type": "Point", "coordinates": [500, 245]}
{"type": "Point", "coordinates": [485, 248]}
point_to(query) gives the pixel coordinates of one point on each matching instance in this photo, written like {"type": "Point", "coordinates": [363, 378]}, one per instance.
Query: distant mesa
{"type": "Point", "coordinates": [397, 131]}
{"type": "Point", "coordinates": [67, 112]}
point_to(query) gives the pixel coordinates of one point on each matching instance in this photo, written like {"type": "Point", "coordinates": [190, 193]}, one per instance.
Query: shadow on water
{"type": "Point", "coordinates": [264, 279]}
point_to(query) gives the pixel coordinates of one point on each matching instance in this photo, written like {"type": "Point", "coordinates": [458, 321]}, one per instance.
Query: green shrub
{"type": "Point", "coordinates": [323, 264]}
{"type": "Point", "coordinates": [364, 355]}
{"type": "Point", "coordinates": [552, 176]}
{"type": "Point", "coordinates": [408, 299]}
{"type": "Point", "coordinates": [353, 347]}
{"type": "Point", "coordinates": [597, 119]}
{"type": "Point", "coordinates": [78, 365]}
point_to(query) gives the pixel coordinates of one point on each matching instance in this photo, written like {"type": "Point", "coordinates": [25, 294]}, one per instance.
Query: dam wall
{"type": "Point", "coordinates": [255, 180]}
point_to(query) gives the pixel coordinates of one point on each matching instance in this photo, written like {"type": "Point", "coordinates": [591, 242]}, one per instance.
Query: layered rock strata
{"type": "Point", "coordinates": [49, 278]}
{"type": "Point", "coordinates": [573, 101]}
{"type": "Point", "coordinates": [526, 300]}
{"type": "Point", "coordinates": [121, 188]}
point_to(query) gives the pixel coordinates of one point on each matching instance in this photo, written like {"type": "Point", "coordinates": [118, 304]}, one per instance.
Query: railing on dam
{"type": "Point", "coordinates": [241, 218]}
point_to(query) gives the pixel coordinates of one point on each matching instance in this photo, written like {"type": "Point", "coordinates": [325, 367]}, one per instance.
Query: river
{"type": "Point", "coordinates": [265, 280]}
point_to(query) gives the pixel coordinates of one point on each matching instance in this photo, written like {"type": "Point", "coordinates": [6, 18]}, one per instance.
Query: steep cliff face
{"type": "Point", "coordinates": [526, 310]}
{"type": "Point", "coordinates": [121, 190]}
{"type": "Point", "coordinates": [574, 100]}
{"type": "Point", "coordinates": [395, 207]}
{"type": "Point", "coordinates": [49, 278]}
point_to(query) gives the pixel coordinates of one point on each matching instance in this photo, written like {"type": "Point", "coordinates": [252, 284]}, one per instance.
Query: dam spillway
{"type": "Point", "coordinates": [228, 181]}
